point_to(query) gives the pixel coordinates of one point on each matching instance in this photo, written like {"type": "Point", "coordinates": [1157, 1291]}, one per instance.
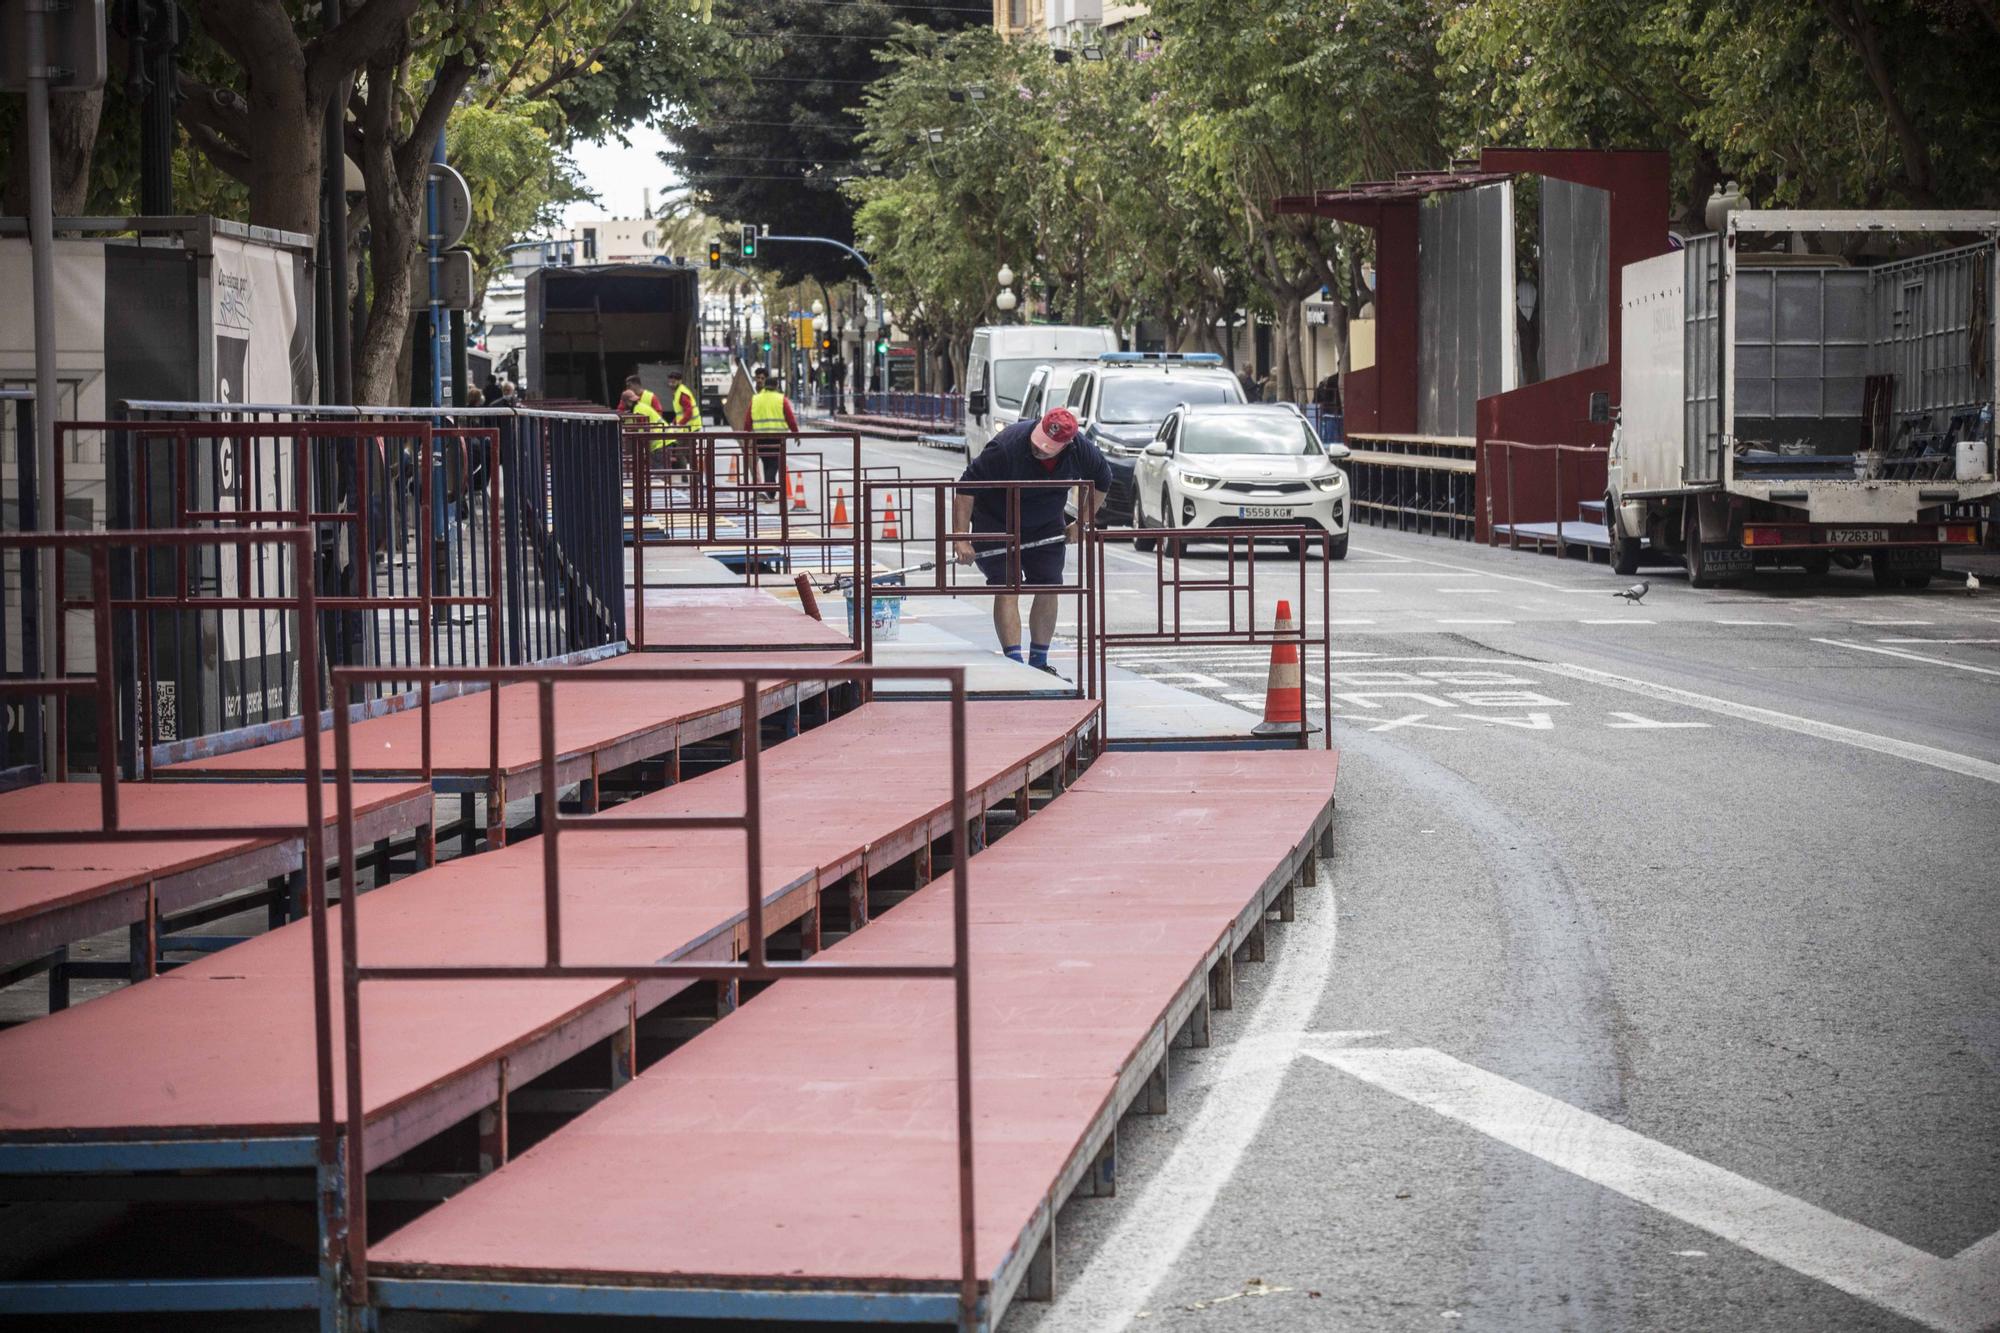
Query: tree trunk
{"type": "Point", "coordinates": [284, 130]}
{"type": "Point", "coordinates": [72, 138]}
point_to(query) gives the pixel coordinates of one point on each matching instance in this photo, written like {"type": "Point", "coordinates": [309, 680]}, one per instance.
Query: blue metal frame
{"type": "Point", "coordinates": [559, 1298]}
{"type": "Point", "coordinates": [160, 1296]}
{"type": "Point", "coordinates": [108, 1155]}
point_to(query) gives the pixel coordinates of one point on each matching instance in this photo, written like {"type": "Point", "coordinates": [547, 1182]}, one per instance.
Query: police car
{"type": "Point", "coordinates": [1121, 400]}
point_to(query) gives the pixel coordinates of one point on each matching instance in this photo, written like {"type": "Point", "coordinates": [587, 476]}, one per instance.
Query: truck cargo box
{"type": "Point", "coordinates": [591, 326]}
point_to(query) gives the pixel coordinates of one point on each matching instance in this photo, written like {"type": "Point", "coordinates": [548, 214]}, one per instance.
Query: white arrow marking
{"type": "Point", "coordinates": [1532, 722]}
{"type": "Point", "coordinates": [1634, 722]}
{"type": "Point", "coordinates": [1957, 1295]}
{"type": "Point", "coordinates": [1413, 720]}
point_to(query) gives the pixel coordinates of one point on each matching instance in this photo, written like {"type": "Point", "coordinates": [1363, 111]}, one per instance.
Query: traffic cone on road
{"type": "Point", "coordinates": [798, 490]}
{"type": "Point", "coordinates": [839, 506]}
{"type": "Point", "coordinates": [889, 532]}
{"type": "Point", "coordinates": [1284, 692]}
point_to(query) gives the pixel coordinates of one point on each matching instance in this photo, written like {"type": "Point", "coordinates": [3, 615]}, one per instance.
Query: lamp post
{"type": "Point", "coordinates": [1006, 300]}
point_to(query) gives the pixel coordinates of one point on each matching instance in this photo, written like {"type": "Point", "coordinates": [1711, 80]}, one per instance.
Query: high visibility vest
{"type": "Point", "coordinates": [767, 413]}
{"type": "Point", "coordinates": [644, 409]}
{"type": "Point", "coordinates": [686, 402]}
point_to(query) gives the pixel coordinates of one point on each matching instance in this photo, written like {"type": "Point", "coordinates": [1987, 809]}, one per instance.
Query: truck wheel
{"type": "Point", "coordinates": [1817, 565]}
{"type": "Point", "coordinates": [1624, 550]}
{"type": "Point", "coordinates": [1885, 577]}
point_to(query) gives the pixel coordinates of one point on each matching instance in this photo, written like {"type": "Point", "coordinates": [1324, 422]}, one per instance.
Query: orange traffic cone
{"type": "Point", "coordinates": [798, 490]}
{"type": "Point", "coordinates": [1284, 693]}
{"type": "Point", "coordinates": [839, 506]}
{"type": "Point", "coordinates": [889, 533]}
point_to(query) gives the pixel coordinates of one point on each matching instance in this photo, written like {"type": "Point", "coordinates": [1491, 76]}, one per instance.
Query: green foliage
{"type": "Point", "coordinates": [518, 175]}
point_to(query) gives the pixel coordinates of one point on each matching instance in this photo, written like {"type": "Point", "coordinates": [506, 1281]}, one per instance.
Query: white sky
{"type": "Point", "coordinates": [621, 175]}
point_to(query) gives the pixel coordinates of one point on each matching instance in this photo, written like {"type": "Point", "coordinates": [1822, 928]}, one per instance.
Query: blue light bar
{"type": "Point", "coordinates": [1142, 358]}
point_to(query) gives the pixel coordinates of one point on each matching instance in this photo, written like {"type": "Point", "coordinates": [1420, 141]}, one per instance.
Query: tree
{"type": "Point", "coordinates": [779, 140]}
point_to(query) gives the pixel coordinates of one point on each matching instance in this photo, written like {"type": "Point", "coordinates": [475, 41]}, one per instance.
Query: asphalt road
{"type": "Point", "coordinates": [1652, 985]}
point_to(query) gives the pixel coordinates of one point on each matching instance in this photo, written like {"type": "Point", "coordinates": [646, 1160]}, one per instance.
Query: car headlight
{"type": "Point", "coordinates": [1196, 481]}
{"type": "Point", "coordinates": [1331, 482]}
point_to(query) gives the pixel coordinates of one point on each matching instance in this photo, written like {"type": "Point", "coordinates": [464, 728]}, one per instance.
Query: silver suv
{"type": "Point", "coordinates": [1121, 400]}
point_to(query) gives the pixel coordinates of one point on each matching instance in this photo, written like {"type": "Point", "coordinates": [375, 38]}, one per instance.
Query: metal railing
{"type": "Point", "coordinates": [1236, 588]}
{"type": "Point", "coordinates": [342, 1129]}
{"type": "Point", "coordinates": [892, 506]}
{"type": "Point", "coordinates": [1565, 475]}
{"type": "Point", "coordinates": [920, 409]}
{"type": "Point", "coordinates": [738, 498]}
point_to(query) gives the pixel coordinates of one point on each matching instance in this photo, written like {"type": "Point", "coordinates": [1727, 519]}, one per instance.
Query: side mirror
{"type": "Point", "coordinates": [975, 402]}
{"type": "Point", "coordinates": [1600, 407]}
{"type": "Point", "coordinates": [1157, 449]}
{"type": "Point", "coordinates": [1338, 451]}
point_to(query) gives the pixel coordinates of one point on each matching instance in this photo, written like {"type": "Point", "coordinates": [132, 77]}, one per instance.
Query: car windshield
{"type": "Point", "coordinates": [1127, 400]}
{"type": "Point", "coordinates": [1010, 380]}
{"type": "Point", "coordinates": [1258, 433]}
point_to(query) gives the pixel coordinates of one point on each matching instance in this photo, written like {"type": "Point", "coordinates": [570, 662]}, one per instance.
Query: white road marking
{"type": "Point", "coordinates": [1489, 574]}
{"type": "Point", "coordinates": [1765, 623]}
{"type": "Point", "coordinates": [1148, 1240]}
{"type": "Point", "coordinates": [1621, 620]}
{"type": "Point", "coordinates": [1937, 640]}
{"type": "Point", "coordinates": [1531, 722]}
{"type": "Point", "coordinates": [1964, 765]}
{"type": "Point", "coordinates": [1350, 622]}
{"type": "Point", "coordinates": [1412, 720]}
{"type": "Point", "coordinates": [1634, 722]}
{"type": "Point", "coordinates": [1958, 1295]}
{"type": "Point", "coordinates": [1894, 622]}
{"type": "Point", "coordinates": [1911, 657]}
{"type": "Point", "coordinates": [1475, 622]}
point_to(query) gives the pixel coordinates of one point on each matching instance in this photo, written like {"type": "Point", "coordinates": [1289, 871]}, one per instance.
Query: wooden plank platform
{"type": "Point", "coordinates": [804, 1150]}
{"type": "Point", "coordinates": [54, 894]}
{"type": "Point", "coordinates": [222, 1050]}
{"type": "Point", "coordinates": [731, 619]}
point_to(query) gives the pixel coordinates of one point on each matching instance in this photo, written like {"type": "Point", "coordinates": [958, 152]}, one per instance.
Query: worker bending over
{"type": "Point", "coordinates": [1044, 450]}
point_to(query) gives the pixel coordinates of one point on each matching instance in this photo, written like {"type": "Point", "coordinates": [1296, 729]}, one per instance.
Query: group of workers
{"type": "Point", "coordinates": [771, 420]}
{"type": "Point", "coordinates": [1047, 449]}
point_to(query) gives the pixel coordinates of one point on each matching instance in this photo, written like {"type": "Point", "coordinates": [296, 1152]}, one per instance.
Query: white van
{"type": "Point", "coordinates": [1002, 358]}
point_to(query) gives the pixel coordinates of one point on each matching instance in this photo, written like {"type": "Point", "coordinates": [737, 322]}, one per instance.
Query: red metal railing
{"type": "Point", "coordinates": [217, 476]}
{"type": "Point", "coordinates": [345, 1129]}
{"type": "Point", "coordinates": [937, 555]}
{"type": "Point", "coordinates": [1241, 598]}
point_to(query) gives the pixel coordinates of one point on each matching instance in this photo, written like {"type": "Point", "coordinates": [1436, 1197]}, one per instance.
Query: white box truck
{"type": "Point", "coordinates": [1805, 387]}
{"type": "Point", "coordinates": [1002, 358]}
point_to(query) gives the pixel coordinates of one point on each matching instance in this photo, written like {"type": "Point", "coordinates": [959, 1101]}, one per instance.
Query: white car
{"type": "Point", "coordinates": [1239, 466]}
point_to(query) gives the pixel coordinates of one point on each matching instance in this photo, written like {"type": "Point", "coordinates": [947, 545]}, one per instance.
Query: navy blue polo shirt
{"type": "Point", "coordinates": [1010, 456]}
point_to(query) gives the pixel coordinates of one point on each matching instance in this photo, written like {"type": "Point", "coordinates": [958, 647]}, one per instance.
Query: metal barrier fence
{"type": "Point", "coordinates": [1331, 426]}
{"type": "Point", "coordinates": [506, 521]}
{"type": "Point", "coordinates": [1241, 604]}
{"type": "Point", "coordinates": [22, 576]}
{"type": "Point", "coordinates": [342, 1131]}
{"type": "Point", "coordinates": [944, 567]}
{"type": "Point", "coordinates": [927, 409]}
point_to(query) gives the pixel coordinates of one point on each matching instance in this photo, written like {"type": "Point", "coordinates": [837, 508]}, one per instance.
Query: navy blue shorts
{"type": "Point", "coordinates": [1044, 564]}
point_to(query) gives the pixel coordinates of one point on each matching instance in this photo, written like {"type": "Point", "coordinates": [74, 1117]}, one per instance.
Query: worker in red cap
{"type": "Point", "coordinates": [1045, 450]}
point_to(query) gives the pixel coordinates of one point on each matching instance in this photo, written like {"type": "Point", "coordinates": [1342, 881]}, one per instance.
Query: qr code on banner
{"type": "Point", "coordinates": [166, 712]}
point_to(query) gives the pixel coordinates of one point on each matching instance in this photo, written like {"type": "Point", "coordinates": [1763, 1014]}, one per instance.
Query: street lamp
{"type": "Point", "coordinates": [1006, 300]}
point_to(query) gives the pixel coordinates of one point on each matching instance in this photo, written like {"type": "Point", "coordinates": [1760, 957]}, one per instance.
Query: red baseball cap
{"type": "Point", "coordinates": [1055, 430]}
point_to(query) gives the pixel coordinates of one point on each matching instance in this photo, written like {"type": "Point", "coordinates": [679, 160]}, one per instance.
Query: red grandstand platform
{"type": "Point", "coordinates": [1099, 929]}
{"type": "Point", "coordinates": [602, 727]}
{"type": "Point", "coordinates": [54, 894]}
{"type": "Point", "coordinates": [212, 1065]}
{"type": "Point", "coordinates": [733, 619]}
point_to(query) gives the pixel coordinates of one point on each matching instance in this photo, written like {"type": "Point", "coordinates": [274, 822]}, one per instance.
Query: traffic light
{"type": "Point", "coordinates": [881, 347]}
{"type": "Point", "coordinates": [749, 242]}
{"type": "Point", "coordinates": [826, 342]}
{"type": "Point", "coordinates": [715, 254]}
{"type": "Point", "coordinates": [767, 343]}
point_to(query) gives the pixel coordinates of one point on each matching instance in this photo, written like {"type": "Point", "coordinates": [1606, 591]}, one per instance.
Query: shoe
{"type": "Point", "coordinates": [1044, 666]}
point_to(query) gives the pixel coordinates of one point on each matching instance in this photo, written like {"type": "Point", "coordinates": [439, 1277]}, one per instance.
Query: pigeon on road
{"type": "Point", "coordinates": [1971, 584]}
{"type": "Point", "coordinates": [1634, 594]}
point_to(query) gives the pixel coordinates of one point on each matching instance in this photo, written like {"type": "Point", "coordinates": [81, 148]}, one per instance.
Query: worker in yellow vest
{"type": "Point", "coordinates": [771, 419]}
{"type": "Point", "coordinates": [687, 408]}
{"type": "Point", "coordinates": [657, 410]}
{"type": "Point", "coordinates": [640, 413]}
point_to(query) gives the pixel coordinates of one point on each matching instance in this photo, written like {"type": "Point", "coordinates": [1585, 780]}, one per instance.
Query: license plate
{"type": "Point", "coordinates": [1263, 511]}
{"type": "Point", "coordinates": [1856, 536]}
